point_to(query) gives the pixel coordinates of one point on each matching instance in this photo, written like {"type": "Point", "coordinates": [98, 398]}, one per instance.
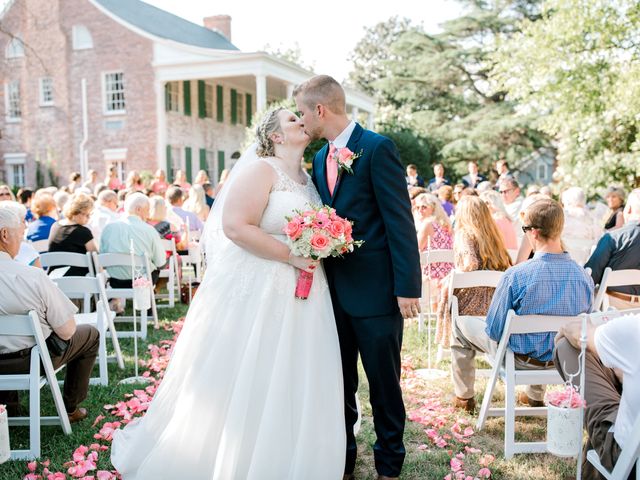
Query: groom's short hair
{"type": "Point", "coordinates": [323, 90]}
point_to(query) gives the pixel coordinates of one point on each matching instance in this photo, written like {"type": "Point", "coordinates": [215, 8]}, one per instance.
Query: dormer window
{"type": "Point", "coordinates": [15, 48]}
{"type": "Point", "coordinates": [82, 39]}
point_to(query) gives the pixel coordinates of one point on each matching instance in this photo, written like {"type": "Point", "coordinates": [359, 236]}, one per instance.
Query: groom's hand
{"type": "Point", "coordinates": [409, 307]}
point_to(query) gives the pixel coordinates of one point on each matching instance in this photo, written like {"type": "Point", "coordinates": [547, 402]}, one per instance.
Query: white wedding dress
{"type": "Point", "coordinates": [254, 387]}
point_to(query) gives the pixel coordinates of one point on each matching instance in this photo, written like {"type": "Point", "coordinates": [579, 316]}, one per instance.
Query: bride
{"type": "Point", "coordinates": [254, 386]}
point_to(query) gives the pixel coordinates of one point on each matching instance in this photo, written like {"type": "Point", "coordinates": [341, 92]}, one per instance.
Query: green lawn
{"type": "Point", "coordinates": [428, 401]}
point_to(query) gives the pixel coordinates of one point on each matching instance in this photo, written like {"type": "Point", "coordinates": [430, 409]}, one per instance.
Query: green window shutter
{"type": "Point", "coordinates": [202, 109]}
{"type": "Point", "coordinates": [220, 162]}
{"type": "Point", "coordinates": [187, 162]}
{"type": "Point", "coordinates": [187, 97]}
{"type": "Point", "coordinates": [249, 108]}
{"type": "Point", "coordinates": [169, 166]}
{"type": "Point", "coordinates": [203, 160]}
{"type": "Point", "coordinates": [167, 97]}
{"type": "Point", "coordinates": [220, 102]}
{"type": "Point", "coordinates": [234, 106]}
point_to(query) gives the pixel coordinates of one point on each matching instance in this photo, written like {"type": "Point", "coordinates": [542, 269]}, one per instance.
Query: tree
{"type": "Point", "coordinates": [291, 54]}
{"type": "Point", "coordinates": [577, 70]}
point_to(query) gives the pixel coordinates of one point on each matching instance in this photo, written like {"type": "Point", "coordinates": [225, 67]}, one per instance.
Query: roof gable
{"type": "Point", "coordinates": [163, 24]}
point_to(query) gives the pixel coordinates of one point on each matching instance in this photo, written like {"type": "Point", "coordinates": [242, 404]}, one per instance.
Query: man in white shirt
{"type": "Point", "coordinates": [510, 191]}
{"type": "Point", "coordinates": [612, 379]}
{"type": "Point", "coordinates": [104, 213]}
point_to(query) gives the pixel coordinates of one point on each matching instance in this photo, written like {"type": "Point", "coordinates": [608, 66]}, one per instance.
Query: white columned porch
{"type": "Point", "coordinates": [354, 113]}
{"type": "Point", "coordinates": [161, 125]}
{"type": "Point", "coordinates": [261, 92]}
{"type": "Point", "coordinates": [370, 121]}
{"type": "Point", "coordinates": [290, 88]}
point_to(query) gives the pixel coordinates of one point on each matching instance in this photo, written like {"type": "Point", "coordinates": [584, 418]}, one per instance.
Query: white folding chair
{"type": "Point", "coordinates": [29, 326]}
{"type": "Point", "coordinates": [105, 260]}
{"type": "Point", "coordinates": [171, 274]}
{"type": "Point", "coordinates": [579, 248]}
{"type": "Point", "coordinates": [614, 278]}
{"type": "Point", "coordinates": [101, 318]}
{"type": "Point", "coordinates": [503, 365]}
{"type": "Point", "coordinates": [41, 246]}
{"type": "Point", "coordinates": [628, 457]}
{"type": "Point", "coordinates": [69, 259]}
{"type": "Point", "coordinates": [428, 257]}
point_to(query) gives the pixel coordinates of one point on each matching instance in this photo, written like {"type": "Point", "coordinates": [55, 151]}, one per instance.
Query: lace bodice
{"type": "Point", "coordinates": [286, 196]}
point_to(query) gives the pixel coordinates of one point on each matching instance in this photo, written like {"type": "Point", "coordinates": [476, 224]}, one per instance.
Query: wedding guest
{"type": "Point", "coordinates": [620, 250]}
{"type": "Point", "coordinates": [413, 179]}
{"type": "Point", "coordinates": [92, 182]}
{"type": "Point", "coordinates": [223, 178]}
{"type": "Point", "coordinates": [25, 289]}
{"type": "Point", "coordinates": [611, 392]}
{"type": "Point", "coordinates": [202, 177]}
{"type": "Point", "coordinates": [439, 179]}
{"type": "Point", "coordinates": [134, 182]}
{"type": "Point", "coordinates": [61, 198]}
{"type": "Point", "coordinates": [46, 212]}
{"type": "Point", "coordinates": [24, 197]}
{"type": "Point", "coordinates": [99, 188]}
{"type": "Point", "coordinates": [27, 255]}
{"type": "Point", "coordinates": [581, 230]}
{"type": "Point", "coordinates": [111, 180]}
{"type": "Point", "coordinates": [532, 190]}
{"type": "Point", "coordinates": [167, 231]}
{"type": "Point", "coordinates": [484, 186]}
{"type": "Point", "coordinates": [159, 184]}
{"type": "Point", "coordinates": [104, 213]}
{"type": "Point", "coordinates": [177, 214]}
{"type": "Point", "coordinates": [510, 191]}
{"type": "Point", "coordinates": [546, 191]}
{"type": "Point", "coordinates": [71, 233]}
{"type": "Point", "coordinates": [501, 218]}
{"type": "Point", "coordinates": [445, 194]}
{"type": "Point", "coordinates": [502, 167]}
{"type": "Point", "coordinates": [181, 181]}
{"type": "Point", "coordinates": [549, 284]}
{"type": "Point", "coordinates": [75, 180]}
{"type": "Point", "coordinates": [615, 201]}
{"type": "Point", "coordinates": [457, 190]}
{"type": "Point", "coordinates": [6, 193]}
{"type": "Point", "coordinates": [209, 193]}
{"type": "Point", "coordinates": [196, 203]}
{"type": "Point", "coordinates": [477, 245]}
{"type": "Point", "coordinates": [473, 178]}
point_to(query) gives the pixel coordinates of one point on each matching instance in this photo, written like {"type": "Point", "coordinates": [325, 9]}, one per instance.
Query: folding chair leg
{"type": "Point", "coordinates": [154, 311]}
{"type": "Point", "coordinates": [488, 394]}
{"type": "Point", "coordinates": [34, 407]}
{"type": "Point", "coordinates": [116, 343]}
{"type": "Point", "coordinates": [510, 406]}
{"type": "Point", "coordinates": [143, 324]}
{"type": "Point", "coordinates": [102, 358]}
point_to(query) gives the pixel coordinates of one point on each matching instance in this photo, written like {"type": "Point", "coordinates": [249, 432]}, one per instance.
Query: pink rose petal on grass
{"type": "Point", "coordinates": [471, 450]}
{"type": "Point", "coordinates": [56, 476]}
{"type": "Point", "coordinates": [105, 475]}
{"type": "Point", "coordinates": [456, 465]}
{"type": "Point", "coordinates": [32, 466]}
{"type": "Point", "coordinates": [32, 476]}
{"type": "Point", "coordinates": [484, 473]}
{"type": "Point", "coordinates": [98, 419]}
{"type": "Point", "coordinates": [486, 460]}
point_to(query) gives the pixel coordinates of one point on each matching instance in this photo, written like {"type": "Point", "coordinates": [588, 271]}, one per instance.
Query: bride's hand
{"type": "Point", "coordinates": [303, 263]}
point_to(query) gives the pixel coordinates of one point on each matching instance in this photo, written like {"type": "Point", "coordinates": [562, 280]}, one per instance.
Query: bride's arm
{"type": "Point", "coordinates": [243, 210]}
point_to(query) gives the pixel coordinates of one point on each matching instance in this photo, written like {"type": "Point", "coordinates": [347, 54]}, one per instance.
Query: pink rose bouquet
{"type": "Point", "coordinates": [318, 233]}
{"type": "Point", "coordinates": [568, 397]}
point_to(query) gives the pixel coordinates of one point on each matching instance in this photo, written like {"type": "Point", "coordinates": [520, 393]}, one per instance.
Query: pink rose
{"type": "Point", "coordinates": [321, 220]}
{"type": "Point", "coordinates": [336, 229]}
{"type": "Point", "coordinates": [345, 156]}
{"type": "Point", "coordinates": [319, 241]}
{"type": "Point", "coordinates": [348, 228]}
{"type": "Point", "coordinates": [293, 229]}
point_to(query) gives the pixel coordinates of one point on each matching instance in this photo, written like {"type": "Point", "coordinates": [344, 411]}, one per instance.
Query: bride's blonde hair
{"type": "Point", "coordinates": [270, 123]}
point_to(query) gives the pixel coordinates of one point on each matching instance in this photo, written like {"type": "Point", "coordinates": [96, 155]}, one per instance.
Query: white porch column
{"type": "Point", "coordinates": [370, 121]}
{"type": "Point", "coordinates": [161, 125]}
{"type": "Point", "coordinates": [261, 92]}
{"type": "Point", "coordinates": [354, 113]}
{"type": "Point", "coordinates": [290, 87]}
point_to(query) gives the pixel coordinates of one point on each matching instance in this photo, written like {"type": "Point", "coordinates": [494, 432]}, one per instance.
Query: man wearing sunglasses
{"type": "Point", "coordinates": [510, 192]}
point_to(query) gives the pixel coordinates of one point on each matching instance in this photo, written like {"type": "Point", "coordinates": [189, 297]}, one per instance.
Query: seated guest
{"type": "Point", "coordinates": [615, 201]}
{"type": "Point", "coordinates": [202, 177]}
{"type": "Point", "coordinates": [581, 231]}
{"type": "Point", "coordinates": [24, 289]}
{"type": "Point", "coordinates": [158, 220]}
{"type": "Point", "coordinates": [473, 179]}
{"type": "Point", "coordinates": [439, 179]}
{"type": "Point", "coordinates": [6, 193]}
{"type": "Point", "coordinates": [61, 197]}
{"type": "Point", "coordinates": [549, 284]}
{"type": "Point", "coordinates": [44, 207]}
{"type": "Point", "coordinates": [501, 218]}
{"type": "Point", "coordinates": [477, 245]}
{"type": "Point", "coordinates": [413, 179]}
{"type": "Point", "coordinates": [612, 377]}
{"type": "Point", "coordinates": [24, 197]}
{"type": "Point", "coordinates": [159, 184]}
{"type": "Point", "coordinates": [92, 182]}
{"type": "Point", "coordinates": [71, 233]}
{"type": "Point", "coordinates": [445, 194]}
{"type": "Point", "coordinates": [111, 179]}
{"type": "Point", "coordinates": [196, 202]}
{"type": "Point", "coordinates": [209, 193]}
{"type": "Point", "coordinates": [510, 191]}
{"type": "Point", "coordinates": [133, 183]}
{"type": "Point", "coordinates": [27, 255]}
{"type": "Point", "coordinates": [181, 181]}
{"type": "Point", "coordinates": [104, 213]}
{"type": "Point", "coordinates": [117, 237]}
{"type": "Point", "coordinates": [620, 250]}
{"type": "Point", "coordinates": [75, 181]}
{"type": "Point", "coordinates": [175, 197]}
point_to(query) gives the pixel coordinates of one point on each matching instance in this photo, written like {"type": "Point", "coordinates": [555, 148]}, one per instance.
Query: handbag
{"type": "Point", "coordinates": [56, 345]}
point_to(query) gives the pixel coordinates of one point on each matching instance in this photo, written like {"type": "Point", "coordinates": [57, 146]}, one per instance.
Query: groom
{"type": "Point", "coordinates": [373, 288]}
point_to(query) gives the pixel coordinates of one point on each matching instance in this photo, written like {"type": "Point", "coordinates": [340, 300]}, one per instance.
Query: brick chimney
{"type": "Point", "coordinates": [220, 24]}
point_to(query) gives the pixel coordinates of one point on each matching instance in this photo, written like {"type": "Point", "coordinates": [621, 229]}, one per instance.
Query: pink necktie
{"type": "Point", "coordinates": [332, 168]}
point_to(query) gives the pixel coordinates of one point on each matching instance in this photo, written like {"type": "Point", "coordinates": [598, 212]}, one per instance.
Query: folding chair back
{"type": "Point", "coordinates": [170, 273]}
{"type": "Point", "coordinates": [29, 326]}
{"type": "Point", "coordinates": [67, 259]}
{"type": "Point", "coordinates": [614, 278]}
{"type": "Point", "coordinates": [41, 245]}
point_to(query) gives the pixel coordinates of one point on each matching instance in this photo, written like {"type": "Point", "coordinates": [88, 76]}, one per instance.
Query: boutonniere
{"type": "Point", "coordinates": [345, 158]}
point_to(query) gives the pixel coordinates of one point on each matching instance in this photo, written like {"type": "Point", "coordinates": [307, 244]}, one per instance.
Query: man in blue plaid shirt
{"type": "Point", "coordinates": [551, 283]}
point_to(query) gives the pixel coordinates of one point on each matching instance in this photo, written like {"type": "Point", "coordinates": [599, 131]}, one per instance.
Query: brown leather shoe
{"type": "Point", "coordinates": [524, 399]}
{"type": "Point", "coordinates": [77, 415]}
{"type": "Point", "coordinates": [466, 404]}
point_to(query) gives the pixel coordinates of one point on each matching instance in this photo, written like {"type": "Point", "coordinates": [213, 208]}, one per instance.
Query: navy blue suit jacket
{"type": "Point", "coordinates": [367, 281]}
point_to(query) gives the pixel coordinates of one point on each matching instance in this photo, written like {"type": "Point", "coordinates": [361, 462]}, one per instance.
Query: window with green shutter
{"type": "Point", "coordinates": [187, 97]}
{"type": "Point", "coordinates": [249, 108]}
{"type": "Point", "coordinates": [234, 106]}
{"type": "Point", "coordinates": [220, 162]}
{"type": "Point", "coordinates": [169, 165]}
{"type": "Point", "coordinates": [203, 160]}
{"type": "Point", "coordinates": [220, 103]}
{"type": "Point", "coordinates": [202, 108]}
{"type": "Point", "coordinates": [187, 162]}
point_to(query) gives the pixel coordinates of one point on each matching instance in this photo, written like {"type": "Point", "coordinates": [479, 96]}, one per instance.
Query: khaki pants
{"type": "Point", "coordinates": [469, 337]}
{"type": "Point", "coordinates": [602, 393]}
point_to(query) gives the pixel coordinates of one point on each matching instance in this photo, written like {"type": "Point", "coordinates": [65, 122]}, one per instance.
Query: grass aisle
{"type": "Point", "coordinates": [441, 443]}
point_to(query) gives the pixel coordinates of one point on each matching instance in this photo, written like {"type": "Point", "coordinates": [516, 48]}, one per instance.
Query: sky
{"type": "Point", "coordinates": [326, 32]}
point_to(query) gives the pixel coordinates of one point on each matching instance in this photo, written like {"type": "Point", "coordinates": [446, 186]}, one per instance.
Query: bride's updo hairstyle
{"type": "Point", "coordinates": [270, 124]}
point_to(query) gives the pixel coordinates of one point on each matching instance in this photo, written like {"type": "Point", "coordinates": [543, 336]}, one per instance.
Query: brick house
{"type": "Point", "coordinates": [90, 83]}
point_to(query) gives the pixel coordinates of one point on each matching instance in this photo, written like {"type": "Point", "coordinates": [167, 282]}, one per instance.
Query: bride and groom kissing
{"type": "Point", "coordinates": [262, 385]}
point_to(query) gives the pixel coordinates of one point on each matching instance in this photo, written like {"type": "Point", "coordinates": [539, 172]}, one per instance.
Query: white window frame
{"type": "Point", "coordinates": [209, 100]}
{"type": "Point", "coordinates": [42, 82]}
{"type": "Point", "coordinates": [15, 48]}
{"type": "Point", "coordinates": [8, 107]}
{"type": "Point", "coordinates": [174, 97]}
{"type": "Point", "coordinates": [117, 156]}
{"type": "Point", "coordinates": [15, 162]}
{"type": "Point", "coordinates": [81, 37]}
{"type": "Point", "coordinates": [177, 160]}
{"type": "Point", "coordinates": [105, 94]}
{"type": "Point", "coordinates": [545, 168]}
{"type": "Point", "coordinates": [212, 167]}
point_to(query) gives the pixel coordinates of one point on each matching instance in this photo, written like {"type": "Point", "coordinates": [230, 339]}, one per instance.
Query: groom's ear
{"type": "Point", "coordinates": [320, 110]}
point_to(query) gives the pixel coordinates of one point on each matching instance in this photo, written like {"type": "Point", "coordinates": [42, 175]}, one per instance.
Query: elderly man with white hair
{"type": "Point", "coordinates": [27, 255]}
{"type": "Point", "coordinates": [117, 237]}
{"type": "Point", "coordinates": [581, 231]}
{"type": "Point", "coordinates": [24, 289]}
{"type": "Point", "coordinates": [104, 213]}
